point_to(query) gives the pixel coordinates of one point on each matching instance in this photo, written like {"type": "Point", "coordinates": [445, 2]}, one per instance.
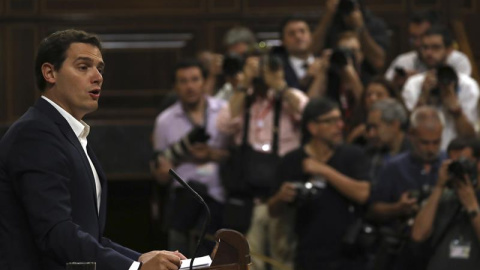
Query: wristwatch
{"type": "Point", "coordinates": [473, 213]}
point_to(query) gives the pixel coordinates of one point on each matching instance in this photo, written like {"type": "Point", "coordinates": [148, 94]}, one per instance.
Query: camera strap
{"type": "Point", "coordinates": [205, 116]}
{"type": "Point", "coordinates": [277, 108]}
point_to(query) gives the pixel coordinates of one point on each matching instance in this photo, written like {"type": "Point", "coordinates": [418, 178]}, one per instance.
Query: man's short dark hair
{"type": "Point", "coordinates": [286, 21]}
{"type": "Point", "coordinates": [53, 50]}
{"type": "Point", "coordinates": [315, 108]}
{"type": "Point", "coordinates": [458, 144]}
{"type": "Point", "coordinates": [443, 32]}
{"type": "Point", "coordinates": [419, 17]}
{"type": "Point", "coordinates": [188, 63]}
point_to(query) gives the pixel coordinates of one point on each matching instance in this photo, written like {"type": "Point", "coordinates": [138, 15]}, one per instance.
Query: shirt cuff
{"type": "Point", "coordinates": [134, 266]}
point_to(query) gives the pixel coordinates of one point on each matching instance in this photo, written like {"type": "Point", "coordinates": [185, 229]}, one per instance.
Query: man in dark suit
{"type": "Point", "coordinates": [52, 188]}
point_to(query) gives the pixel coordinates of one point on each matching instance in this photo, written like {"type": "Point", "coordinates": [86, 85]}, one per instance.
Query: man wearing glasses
{"type": "Point", "coordinates": [325, 180]}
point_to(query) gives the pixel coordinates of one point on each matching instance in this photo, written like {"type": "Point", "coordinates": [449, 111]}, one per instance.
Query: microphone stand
{"type": "Point", "coordinates": [200, 199]}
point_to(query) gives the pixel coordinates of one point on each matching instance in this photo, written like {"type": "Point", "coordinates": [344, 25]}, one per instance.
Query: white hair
{"type": "Point", "coordinates": [427, 117]}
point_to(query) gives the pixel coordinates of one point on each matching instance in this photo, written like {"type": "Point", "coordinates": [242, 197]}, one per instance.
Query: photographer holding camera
{"type": "Point", "coordinates": [323, 179]}
{"type": "Point", "coordinates": [351, 15]}
{"type": "Point", "coordinates": [450, 218]}
{"type": "Point", "coordinates": [454, 94]}
{"type": "Point", "coordinates": [186, 138]}
{"type": "Point", "coordinates": [263, 117]}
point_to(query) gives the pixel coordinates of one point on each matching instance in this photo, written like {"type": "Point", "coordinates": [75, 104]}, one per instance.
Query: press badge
{"type": "Point", "coordinates": [460, 249]}
{"type": "Point", "coordinates": [207, 169]}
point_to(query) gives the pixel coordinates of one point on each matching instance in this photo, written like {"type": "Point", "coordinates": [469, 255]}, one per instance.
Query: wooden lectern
{"type": "Point", "coordinates": [231, 251]}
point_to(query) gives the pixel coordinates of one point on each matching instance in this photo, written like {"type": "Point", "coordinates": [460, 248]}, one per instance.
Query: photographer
{"type": "Point", "coordinates": [351, 15]}
{"type": "Point", "coordinates": [454, 94]}
{"type": "Point", "coordinates": [411, 63]}
{"type": "Point", "coordinates": [263, 117]}
{"type": "Point", "coordinates": [338, 76]}
{"type": "Point", "coordinates": [323, 179]}
{"type": "Point", "coordinates": [185, 138]}
{"type": "Point", "coordinates": [451, 217]}
{"type": "Point", "coordinates": [403, 182]}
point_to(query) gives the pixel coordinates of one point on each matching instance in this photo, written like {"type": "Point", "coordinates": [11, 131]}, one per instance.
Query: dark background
{"type": "Point", "coordinates": [143, 39]}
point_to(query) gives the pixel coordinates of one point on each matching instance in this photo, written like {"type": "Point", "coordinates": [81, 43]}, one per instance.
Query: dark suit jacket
{"type": "Point", "coordinates": [290, 75]}
{"type": "Point", "coordinates": [48, 208]}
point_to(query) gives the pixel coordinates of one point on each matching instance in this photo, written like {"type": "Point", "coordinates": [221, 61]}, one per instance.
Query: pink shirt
{"type": "Point", "coordinates": [261, 124]}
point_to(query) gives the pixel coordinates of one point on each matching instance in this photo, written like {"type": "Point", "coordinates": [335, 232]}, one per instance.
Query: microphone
{"type": "Point", "coordinates": [200, 199]}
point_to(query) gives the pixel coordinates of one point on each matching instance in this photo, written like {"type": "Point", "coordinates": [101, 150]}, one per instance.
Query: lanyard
{"type": "Point", "coordinates": [205, 117]}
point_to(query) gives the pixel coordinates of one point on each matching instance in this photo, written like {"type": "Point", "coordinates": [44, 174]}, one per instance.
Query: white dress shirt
{"type": "Point", "coordinates": [81, 130]}
{"type": "Point", "coordinates": [468, 94]}
{"type": "Point", "coordinates": [298, 65]}
{"type": "Point", "coordinates": [410, 61]}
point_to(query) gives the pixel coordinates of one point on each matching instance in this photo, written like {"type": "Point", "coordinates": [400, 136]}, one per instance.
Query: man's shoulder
{"type": "Point", "coordinates": [406, 59]}
{"type": "Point", "coordinates": [169, 113]}
{"type": "Point", "coordinates": [295, 155]}
{"type": "Point", "coordinates": [414, 82]}
{"type": "Point", "coordinates": [215, 103]}
{"type": "Point", "coordinates": [397, 161]}
{"type": "Point", "coordinates": [466, 80]}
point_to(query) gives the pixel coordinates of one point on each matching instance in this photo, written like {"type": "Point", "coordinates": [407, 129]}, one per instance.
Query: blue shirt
{"type": "Point", "coordinates": [404, 173]}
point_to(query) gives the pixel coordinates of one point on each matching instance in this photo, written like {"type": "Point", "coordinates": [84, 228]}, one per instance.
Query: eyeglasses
{"type": "Point", "coordinates": [330, 120]}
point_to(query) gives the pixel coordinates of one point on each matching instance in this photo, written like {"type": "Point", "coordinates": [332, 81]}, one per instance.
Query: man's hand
{"type": "Point", "coordinates": [250, 71]}
{"type": "Point", "coordinates": [161, 260]}
{"type": "Point", "coordinates": [311, 166]}
{"type": "Point", "coordinates": [443, 175]}
{"type": "Point", "coordinates": [331, 6]}
{"type": "Point", "coordinates": [466, 194]}
{"type": "Point", "coordinates": [200, 152]}
{"type": "Point", "coordinates": [407, 205]}
{"type": "Point", "coordinates": [449, 97]}
{"type": "Point", "coordinates": [355, 20]}
{"type": "Point", "coordinates": [287, 193]}
{"type": "Point", "coordinates": [430, 82]}
{"type": "Point", "coordinates": [274, 79]}
{"type": "Point", "coordinates": [161, 171]}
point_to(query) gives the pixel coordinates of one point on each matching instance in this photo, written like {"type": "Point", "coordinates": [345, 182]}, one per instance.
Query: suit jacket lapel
{"type": "Point", "coordinates": [65, 128]}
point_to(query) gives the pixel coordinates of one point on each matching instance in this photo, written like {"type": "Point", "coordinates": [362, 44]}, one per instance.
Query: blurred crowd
{"type": "Point", "coordinates": [324, 154]}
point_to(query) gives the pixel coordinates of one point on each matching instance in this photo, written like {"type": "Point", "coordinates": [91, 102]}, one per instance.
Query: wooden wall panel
{"type": "Point", "coordinates": [4, 105]}
{"type": "Point", "coordinates": [20, 61]}
{"type": "Point", "coordinates": [224, 6]}
{"type": "Point", "coordinates": [21, 7]}
{"type": "Point", "coordinates": [124, 7]}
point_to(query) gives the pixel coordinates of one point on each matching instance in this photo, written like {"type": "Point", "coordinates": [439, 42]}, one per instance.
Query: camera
{"type": "Point", "coordinates": [461, 167]}
{"type": "Point", "coordinates": [339, 58]}
{"type": "Point", "coordinates": [346, 7]}
{"type": "Point", "coordinates": [307, 191]}
{"type": "Point", "coordinates": [446, 75]}
{"type": "Point", "coordinates": [179, 150]}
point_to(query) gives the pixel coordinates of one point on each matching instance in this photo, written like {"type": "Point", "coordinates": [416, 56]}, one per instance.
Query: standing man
{"type": "Point", "coordinates": [53, 190]}
{"type": "Point", "coordinates": [329, 175]}
{"type": "Point", "coordinates": [453, 94]}
{"type": "Point", "coordinates": [194, 117]}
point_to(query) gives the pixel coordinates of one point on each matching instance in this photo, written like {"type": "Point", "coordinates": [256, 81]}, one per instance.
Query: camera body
{"type": "Point", "coordinates": [308, 191]}
{"type": "Point", "coordinates": [446, 75]}
{"type": "Point", "coordinates": [180, 149]}
{"type": "Point", "coordinates": [461, 167]}
{"type": "Point", "coordinates": [346, 7]}
{"type": "Point", "coordinates": [339, 59]}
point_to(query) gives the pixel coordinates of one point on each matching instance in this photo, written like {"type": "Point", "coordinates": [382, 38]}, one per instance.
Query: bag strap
{"type": "Point", "coordinates": [278, 101]}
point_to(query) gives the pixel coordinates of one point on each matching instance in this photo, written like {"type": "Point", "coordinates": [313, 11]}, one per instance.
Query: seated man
{"type": "Point", "coordinates": [411, 63]}
{"type": "Point", "coordinates": [53, 191]}
{"type": "Point", "coordinates": [451, 217]}
{"type": "Point", "coordinates": [324, 180]}
{"type": "Point", "coordinates": [455, 95]}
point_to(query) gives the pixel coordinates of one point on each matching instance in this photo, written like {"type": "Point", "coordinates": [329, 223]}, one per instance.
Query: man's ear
{"type": "Point", "coordinates": [312, 128]}
{"type": "Point", "coordinates": [48, 72]}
